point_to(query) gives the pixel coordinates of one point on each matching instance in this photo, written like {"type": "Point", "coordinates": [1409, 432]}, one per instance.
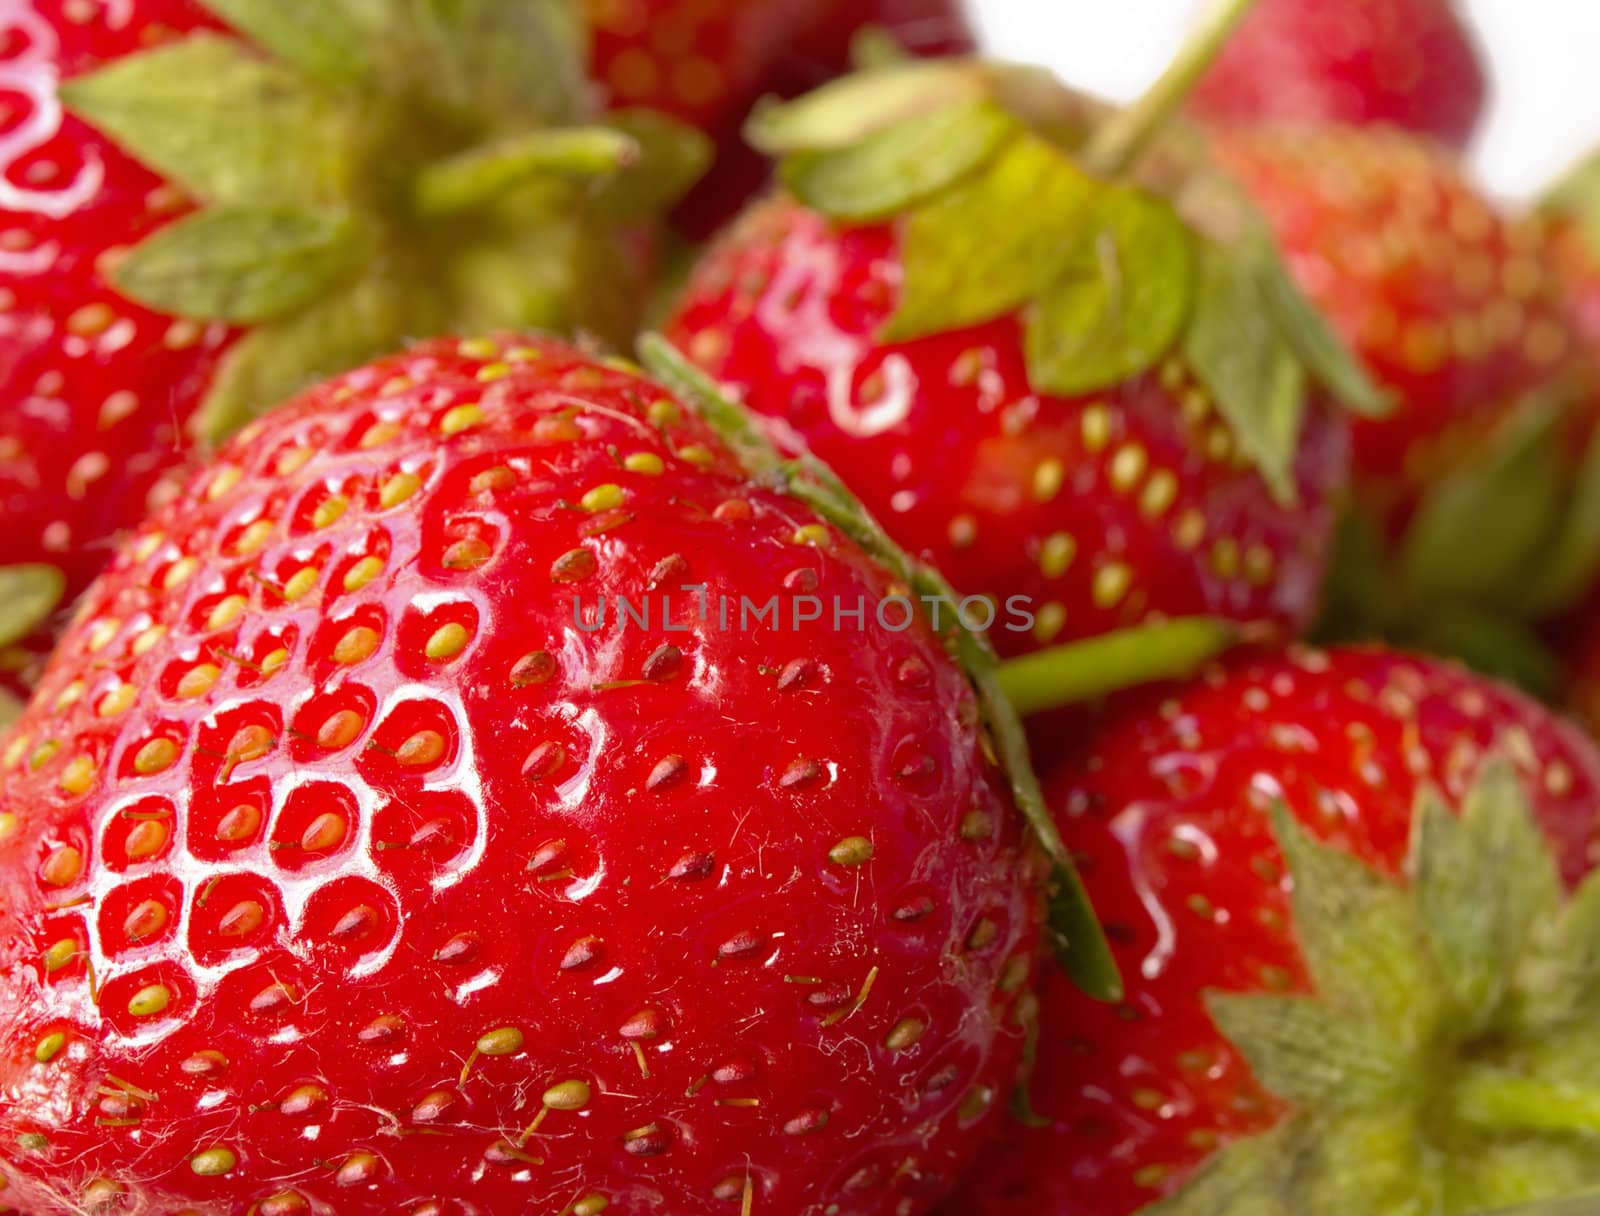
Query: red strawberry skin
{"type": "Point", "coordinates": [1166, 804]}
{"type": "Point", "coordinates": [1454, 307]}
{"type": "Point", "coordinates": [328, 765]}
{"type": "Point", "coordinates": [709, 62]}
{"type": "Point", "coordinates": [1101, 510]}
{"type": "Point", "coordinates": [94, 389]}
{"type": "Point", "coordinates": [1407, 63]}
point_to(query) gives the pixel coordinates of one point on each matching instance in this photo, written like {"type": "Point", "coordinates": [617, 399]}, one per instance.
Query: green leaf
{"type": "Point", "coordinates": [315, 36]}
{"type": "Point", "coordinates": [1120, 301]}
{"type": "Point", "coordinates": [854, 108]}
{"type": "Point", "coordinates": [1325, 355]}
{"type": "Point", "coordinates": [272, 363]}
{"type": "Point", "coordinates": [1360, 934]}
{"type": "Point", "coordinates": [1481, 880]}
{"type": "Point", "coordinates": [245, 264]}
{"type": "Point", "coordinates": [1303, 1051]}
{"type": "Point", "coordinates": [673, 157]}
{"type": "Point", "coordinates": [892, 170]}
{"type": "Point", "coordinates": [224, 123]}
{"type": "Point", "coordinates": [1570, 565]}
{"type": "Point", "coordinates": [29, 595]}
{"type": "Point", "coordinates": [964, 266]}
{"type": "Point", "coordinates": [1475, 532]}
{"type": "Point", "coordinates": [1237, 351]}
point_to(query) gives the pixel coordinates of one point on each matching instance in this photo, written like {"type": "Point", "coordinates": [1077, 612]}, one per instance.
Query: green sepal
{"type": "Point", "coordinates": [854, 108]}
{"type": "Point", "coordinates": [522, 62]}
{"type": "Point", "coordinates": [963, 266]}
{"type": "Point", "coordinates": [1235, 347]}
{"type": "Point", "coordinates": [485, 174]}
{"type": "Point", "coordinates": [1120, 301]}
{"type": "Point", "coordinates": [1360, 934]}
{"type": "Point", "coordinates": [1326, 357]}
{"type": "Point", "coordinates": [1482, 878]}
{"type": "Point", "coordinates": [217, 118]}
{"type": "Point", "coordinates": [316, 36]}
{"type": "Point", "coordinates": [1096, 667]}
{"type": "Point", "coordinates": [1577, 197]}
{"type": "Point", "coordinates": [1476, 531]}
{"type": "Point", "coordinates": [243, 264]}
{"type": "Point", "coordinates": [1302, 1050]}
{"type": "Point", "coordinates": [30, 592]}
{"type": "Point", "coordinates": [1561, 977]}
{"type": "Point", "coordinates": [892, 170]}
{"type": "Point", "coordinates": [1083, 950]}
{"type": "Point", "coordinates": [1488, 641]}
{"type": "Point", "coordinates": [673, 156]}
{"type": "Point", "coordinates": [1569, 566]}
{"type": "Point", "coordinates": [273, 362]}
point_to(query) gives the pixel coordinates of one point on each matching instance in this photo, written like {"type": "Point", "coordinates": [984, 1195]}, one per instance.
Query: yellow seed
{"type": "Point", "coordinates": [503, 1042]}
{"type": "Point", "coordinates": [301, 583]}
{"type": "Point", "coordinates": [1160, 492]}
{"type": "Point", "coordinates": [340, 729]}
{"type": "Point", "coordinates": [1128, 466]}
{"type": "Point", "coordinates": [222, 481]}
{"type": "Point", "coordinates": [905, 1034]}
{"type": "Point", "coordinates": [568, 1095]}
{"type": "Point", "coordinates": [647, 463]}
{"type": "Point", "coordinates": [1259, 565]}
{"type": "Point", "coordinates": [1056, 554]}
{"type": "Point", "coordinates": [8, 824]}
{"type": "Point", "coordinates": [851, 851]}
{"type": "Point", "coordinates": [811, 534]}
{"type": "Point", "coordinates": [697, 455]}
{"type": "Point", "coordinates": [477, 348]}
{"type": "Point", "coordinates": [447, 641]}
{"type": "Point", "coordinates": [147, 640]}
{"type": "Point", "coordinates": [43, 754]}
{"type": "Point", "coordinates": [213, 1162]}
{"type": "Point", "coordinates": [1096, 428]}
{"type": "Point", "coordinates": [148, 544]}
{"type": "Point", "coordinates": [47, 1047]}
{"type": "Point", "coordinates": [381, 433]}
{"type": "Point", "coordinates": [155, 756]}
{"type": "Point", "coordinates": [293, 461]}
{"type": "Point", "coordinates": [330, 511]}
{"type": "Point", "coordinates": [356, 645]}
{"type": "Point", "coordinates": [60, 954]}
{"type": "Point", "coordinates": [423, 748]}
{"type": "Point", "coordinates": [101, 633]}
{"type": "Point", "coordinates": [1190, 530]}
{"type": "Point", "coordinates": [362, 573]}
{"type": "Point", "coordinates": [253, 537]}
{"type": "Point", "coordinates": [226, 612]}
{"type": "Point", "coordinates": [70, 695]}
{"type": "Point", "coordinates": [62, 867]}
{"type": "Point", "coordinates": [493, 372]}
{"type": "Point", "coordinates": [1049, 621]}
{"type": "Point", "coordinates": [147, 839]}
{"type": "Point", "coordinates": [1048, 477]}
{"type": "Point", "coordinates": [327, 831]}
{"type": "Point", "coordinates": [1111, 583]}
{"type": "Point", "coordinates": [602, 498]}
{"type": "Point", "coordinates": [78, 776]}
{"type": "Point", "coordinates": [1225, 558]}
{"type": "Point", "coordinates": [197, 681]}
{"type": "Point", "coordinates": [397, 489]}
{"type": "Point", "coordinates": [460, 418]}
{"type": "Point", "coordinates": [591, 1204]}
{"type": "Point", "coordinates": [150, 1000]}
{"type": "Point", "coordinates": [663, 413]}
{"type": "Point", "coordinates": [270, 663]}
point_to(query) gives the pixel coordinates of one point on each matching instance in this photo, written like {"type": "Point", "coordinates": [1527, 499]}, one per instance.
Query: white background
{"type": "Point", "coordinates": [1544, 57]}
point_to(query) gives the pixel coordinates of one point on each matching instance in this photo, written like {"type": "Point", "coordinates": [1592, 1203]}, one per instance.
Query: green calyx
{"type": "Point", "coordinates": [986, 171]}
{"type": "Point", "coordinates": [1576, 198]}
{"type": "Point", "coordinates": [1449, 1061]}
{"type": "Point", "coordinates": [30, 593]}
{"type": "Point", "coordinates": [1079, 940]}
{"type": "Point", "coordinates": [370, 170]}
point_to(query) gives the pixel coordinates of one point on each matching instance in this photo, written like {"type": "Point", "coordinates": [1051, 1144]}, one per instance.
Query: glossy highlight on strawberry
{"type": "Point", "coordinates": [349, 868]}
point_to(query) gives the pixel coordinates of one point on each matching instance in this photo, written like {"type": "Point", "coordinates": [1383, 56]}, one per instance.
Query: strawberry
{"type": "Point", "coordinates": [1098, 415]}
{"type": "Point", "coordinates": [204, 221]}
{"type": "Point", "coordinates": [1412, 64]}
{"type": "Point", "coordinates": [1335, 882]}
{"type": "Point", "coordinates": [708, 61]}
{"type": "Point", "coordinates": [362, 856]}
{"type": "Point", "coordinates": [1466, 494]}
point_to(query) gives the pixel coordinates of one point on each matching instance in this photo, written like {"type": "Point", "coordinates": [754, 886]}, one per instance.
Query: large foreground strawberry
{"type": "Point", "coordinates": [1092, 400]}
{"type": "Point", "coordinates": [1470, 496]}
{"type": "Point", "coordinates": [363, 852]}
{"type": "Point", "coordinates": [1407, 63]}
{"type": "Point", "coordinates": [198, 224]}
{"type": "Point", "coordinates": [708, 61]}
{"type": "Point", "coordinates": [1335, 882]}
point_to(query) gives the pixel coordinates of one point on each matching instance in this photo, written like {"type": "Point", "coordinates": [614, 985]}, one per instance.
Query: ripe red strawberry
{"type": "Point", "coordinates": [1408, 63]}
{"type": "Point", "coordinates": [197, 229]}
{"type": "Point", "coordinates": [1342, 997]}
{"type": "Point", "coordinates": [1098, 412]}
{"type": "Point", "coordinates": [708, 61]}
{"type": "Point", "coordinates": [350, 867]}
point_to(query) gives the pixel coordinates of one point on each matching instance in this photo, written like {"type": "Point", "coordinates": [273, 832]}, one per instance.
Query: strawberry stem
{"type": "Point", "coordinates": [1498, 1102]}
{"type": "Point", "coordinates": [1087, 670]}
{"type": "Point", "coordinates": [1115, 147]}
{"type": "Point", "coordinates": [1086, 954]}
{"type": "Point", "coordinates": [482, 175]}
